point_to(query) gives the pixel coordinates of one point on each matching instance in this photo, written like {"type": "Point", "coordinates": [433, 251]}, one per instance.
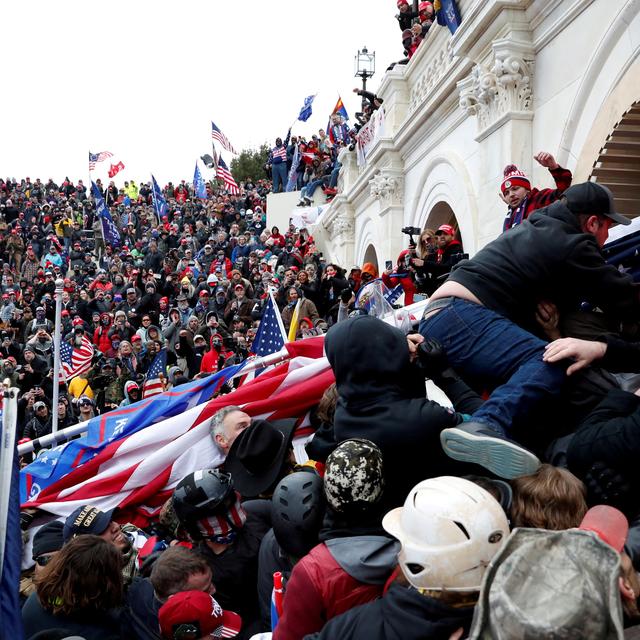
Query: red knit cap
{"type": "Point", "coordinates": [513, 177]}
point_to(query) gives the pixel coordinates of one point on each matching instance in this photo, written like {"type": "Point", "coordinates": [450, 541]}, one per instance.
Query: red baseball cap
{"type": "Point", "coordinates": [204, 293]}
{"type": "Point", "coordinates": [198, 612]}
{"type": "Point", "coordinates": [609, 524]}
{"type": "Point", "coordinates": [446, 228]}
{"type": "Point", "coordinates": [136, 338]}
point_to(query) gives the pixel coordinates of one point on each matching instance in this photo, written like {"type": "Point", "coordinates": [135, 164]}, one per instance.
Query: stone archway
{"type": "Point", "coordinates": [370, 255]}
{"type": "Point", "coordinates": [618, 163]}
{"type": "Point", "coordinates": [442, 213]}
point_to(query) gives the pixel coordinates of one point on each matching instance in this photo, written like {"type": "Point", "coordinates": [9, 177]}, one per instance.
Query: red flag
{"type": "Point", "coordinates": [115, 168]}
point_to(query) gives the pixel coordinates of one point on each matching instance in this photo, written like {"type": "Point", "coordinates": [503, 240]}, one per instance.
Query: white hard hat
{"type": "Point", "coordinates": [449, 529]}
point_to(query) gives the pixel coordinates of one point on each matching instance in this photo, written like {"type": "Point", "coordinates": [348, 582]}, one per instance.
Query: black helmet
{"type": "Point", "coordinates": [202, 494]}
{"type": "Point", "coordinates": [297, 510]}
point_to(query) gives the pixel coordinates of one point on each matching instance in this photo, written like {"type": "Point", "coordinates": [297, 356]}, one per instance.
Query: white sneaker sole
{"type": "Point", "coordinates": [505, 459]}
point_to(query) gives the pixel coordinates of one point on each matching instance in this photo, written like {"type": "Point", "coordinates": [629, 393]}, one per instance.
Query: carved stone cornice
{"type": "Point", "coordinates": [432, 75]}
{"type": "Point", "coordinates": [502, 87]}
{"type": "Point", "coordinates": [387, 187]}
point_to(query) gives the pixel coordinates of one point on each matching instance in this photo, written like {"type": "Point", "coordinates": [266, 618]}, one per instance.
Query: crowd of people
{"type": "Point", "coordinates": [510, 514]}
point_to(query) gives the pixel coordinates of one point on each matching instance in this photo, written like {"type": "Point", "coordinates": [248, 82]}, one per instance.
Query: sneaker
{"type": "Point", "coordinates": [479, 443]}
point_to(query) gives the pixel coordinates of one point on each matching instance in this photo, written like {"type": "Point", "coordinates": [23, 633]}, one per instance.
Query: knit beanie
{"type": "Point", "coordinates": [513, 177]}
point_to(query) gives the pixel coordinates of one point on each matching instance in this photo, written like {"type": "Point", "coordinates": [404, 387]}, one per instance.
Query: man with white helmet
{"type": "Point", "coordinates": [449, 530]}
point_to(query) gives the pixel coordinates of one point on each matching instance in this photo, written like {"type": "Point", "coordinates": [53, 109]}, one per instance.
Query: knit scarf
{"type": "Point", "coordinates": [515, 216]}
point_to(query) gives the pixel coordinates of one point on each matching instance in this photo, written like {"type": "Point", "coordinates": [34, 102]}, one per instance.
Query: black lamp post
{"type": "Point", "coordinates": [365, 63]}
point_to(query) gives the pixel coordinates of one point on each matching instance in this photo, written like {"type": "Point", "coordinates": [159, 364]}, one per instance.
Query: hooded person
{"type": "Point", "coordinates": [131, 393]}
{"type": "Point", "coordinates": [355, 556]}
{"type": "Point", "coordinates": [449, 531]}
{"type": "Point", "coordinates": [381, 389]}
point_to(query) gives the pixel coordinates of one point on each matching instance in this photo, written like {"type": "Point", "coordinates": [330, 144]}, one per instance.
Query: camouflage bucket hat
{"type": "Point", "coordinates": [353, 475]}
{"type": "Point", "coordinates": [550, 584]}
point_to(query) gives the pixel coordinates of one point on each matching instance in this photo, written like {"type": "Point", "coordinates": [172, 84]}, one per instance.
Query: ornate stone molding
{"type": "Point", "coordinates": [503, 86]}
{"type": "Point", "coordinates": [342, 226]}
{"type": "Point", "coordinates": [387, 188]}
{"type": "Point", "coordinates": [432, 75]}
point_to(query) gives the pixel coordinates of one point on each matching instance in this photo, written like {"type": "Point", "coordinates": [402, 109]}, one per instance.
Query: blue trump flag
{"type": "Point", "coordinates": [199, 185]}
{"type": "Point", "coordinates": [305, 112]}
{"type": "Point", "coordinates": [10, 607]}
{"type": "Point", "coordinates": [447, 14]}
{"type": "Point", "coordinates": [120, 423]}
{"type": "Point", "coordinates": [109, 229]}
{"type": "Point", "coordinates": [159, 203]}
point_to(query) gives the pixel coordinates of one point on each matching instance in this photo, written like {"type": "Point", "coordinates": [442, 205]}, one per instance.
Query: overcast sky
{"type": "Point", "coordinates": [144, 79]}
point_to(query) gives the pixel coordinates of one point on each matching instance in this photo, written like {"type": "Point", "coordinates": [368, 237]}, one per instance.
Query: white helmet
{"type": "Point", "coordinates": [450, 529]}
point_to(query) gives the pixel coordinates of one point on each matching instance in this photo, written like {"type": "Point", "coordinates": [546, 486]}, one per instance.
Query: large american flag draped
{"type": "Point", "coordinates": [153, 382]}
{"type": "Point", "coordinates": [216, 134]}
{"type": "Point", "coordinates": [75, 360]}
{"type": "Point", "coordinates": [94, 158]}
{"type": "Point", "coordinates": [225, 175]}
{"type": "Point", "coordinates": [139, 472]}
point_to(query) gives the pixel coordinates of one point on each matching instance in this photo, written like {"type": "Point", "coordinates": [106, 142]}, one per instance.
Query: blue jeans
{"type": "Point", "coordinates": [309, 190]}
{"type": "Point", "coordinates": [279, 176]}
{"type": "Point", "coordinates": [480, 343]}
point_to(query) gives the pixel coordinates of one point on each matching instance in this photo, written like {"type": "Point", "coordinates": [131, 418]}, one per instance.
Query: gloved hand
{"type": "Point", "coordinates": [606, 486]}
{"type": "Point", "coordinates": [432, 358]}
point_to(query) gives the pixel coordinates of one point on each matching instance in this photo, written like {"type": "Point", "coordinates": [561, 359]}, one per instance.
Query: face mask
{"type": "Point", "coordinates": [223, 528]}
{"type": "Point", "coordinates": [42, 340]}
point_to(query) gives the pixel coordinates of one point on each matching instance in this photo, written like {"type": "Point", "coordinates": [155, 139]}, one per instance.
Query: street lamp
{"type": "Point", "coordinates": [365, 64]}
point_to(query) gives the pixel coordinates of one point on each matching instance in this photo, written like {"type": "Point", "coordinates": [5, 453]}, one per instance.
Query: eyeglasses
{"type": "Point", "coordinates": [43, 561]}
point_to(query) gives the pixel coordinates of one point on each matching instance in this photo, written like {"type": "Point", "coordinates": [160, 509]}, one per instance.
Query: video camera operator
{"type": "Point", "coordinates": [437, 261]}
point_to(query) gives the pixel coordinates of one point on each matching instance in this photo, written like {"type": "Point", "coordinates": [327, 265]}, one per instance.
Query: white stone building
{"type": "Point", "coordinates": [518, 76]}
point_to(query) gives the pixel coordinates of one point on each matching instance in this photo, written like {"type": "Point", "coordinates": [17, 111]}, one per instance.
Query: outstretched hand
{"type": "Point", "coordinates": [546, 160]}
{"type": "Point", "coordinates": [584, 352]}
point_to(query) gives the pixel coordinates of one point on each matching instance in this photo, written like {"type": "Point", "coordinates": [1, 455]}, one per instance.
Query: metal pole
{"type": "Point", "coordinates": [56, 355]}
{"type": "Point", "coordinates": [364, 88]}
{"type": "Point", "coordinates": [7, 452]}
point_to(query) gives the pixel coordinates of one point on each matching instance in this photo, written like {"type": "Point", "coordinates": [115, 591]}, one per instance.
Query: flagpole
{"type": "Point", "coordinates": [56, 355]}
{"type": "Point", "coordinates": [7, 453]}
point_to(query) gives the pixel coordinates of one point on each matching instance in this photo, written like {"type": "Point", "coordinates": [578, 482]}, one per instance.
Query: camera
{"type": "Point", "coordinates": [411, 231]}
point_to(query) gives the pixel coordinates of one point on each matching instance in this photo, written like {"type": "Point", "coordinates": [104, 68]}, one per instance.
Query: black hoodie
{"type": "Point", "coordinates": [382, 398]}
{"type": "Point", "coordinates": [401, 614]}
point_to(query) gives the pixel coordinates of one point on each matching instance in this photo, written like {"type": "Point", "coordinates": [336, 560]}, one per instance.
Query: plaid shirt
{"type": "Point", "coordinates": [538, 198]}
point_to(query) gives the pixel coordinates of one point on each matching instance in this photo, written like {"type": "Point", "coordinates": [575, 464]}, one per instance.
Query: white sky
{"type": "Point", "coordinates": [144, 79]}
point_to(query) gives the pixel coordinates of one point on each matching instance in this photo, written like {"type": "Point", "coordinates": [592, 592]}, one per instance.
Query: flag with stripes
{"type": "Point", "coordinates": [75, 360]}
{"type": "Point", "coordinates": [159, 203]}
{"type": "Point", "coordinates": [94, 158]}
{"type": "Point", "coordinates": [153, 382]}
{"type": "Point", "coordinates": [138, 473]}
{"type": "Point", "coordinates": [225, 175]}
{"type": "Point", "coordinates": [53, 464]}
{"type": "Point", "coordinates": [216, 134]}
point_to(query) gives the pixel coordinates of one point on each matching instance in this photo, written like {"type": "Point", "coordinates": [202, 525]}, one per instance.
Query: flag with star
{"type": "Point", "coordinates": [153, 382]}
{"type": "Point", "coordinates": [271, 335]}
{"type": "Point", "coordinates": [159, 203]}
{"type": "Point", "coordinates": [199, 186]}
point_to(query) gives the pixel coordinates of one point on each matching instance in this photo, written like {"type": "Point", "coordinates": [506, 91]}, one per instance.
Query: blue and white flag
{"type": "Point", "coordinates": [159, 203]}
{"type": "Point", "coordinates": [292, 179]}
{"type": "Point", "coordinates": [305, 112]}
{"type": "Point", "coordinates": [10, 606]}
{"type": "Point", "coordinates": [199, 185]}
{"type": "Point", "coordinates": [109, 229]}
{"type": "Point", "coordinates": [115, 425]}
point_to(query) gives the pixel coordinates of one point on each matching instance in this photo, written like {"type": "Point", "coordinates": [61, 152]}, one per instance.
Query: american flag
{"type": "Point", "coordinates": [223, 172]}
{"type": "Point", "coordinates": [216, 134]}
{"type": "Point", "coordinates": [138, 473]}
{"type": "Point", "coordinates": [153, 383]}
{"type": "Point", "coordinates": [271, 335]}
{"type": "Point", "coordinates": [98, 157]}
{"type": "Point", "coordinates": [75, 360]}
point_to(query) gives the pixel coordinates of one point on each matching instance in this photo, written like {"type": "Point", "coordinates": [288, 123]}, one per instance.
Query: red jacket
{"type": "Point", "coordinates": [408, 285]}
{"type": "Point", "coordinates": [319, 589]}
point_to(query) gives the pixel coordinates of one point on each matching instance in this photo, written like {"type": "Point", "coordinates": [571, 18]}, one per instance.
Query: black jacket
{"type": "Point", "coordinates": [103, 625]}
{"type": "Point", "coordinates": [547, 257]}
{"type": "Point", "coordinates": [382, 398]}
{"type": "Point", "coordinates": [401, 614]}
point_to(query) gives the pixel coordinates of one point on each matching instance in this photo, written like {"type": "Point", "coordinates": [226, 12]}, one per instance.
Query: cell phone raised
{"type": "Point", "coordinates": [388, 265]}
